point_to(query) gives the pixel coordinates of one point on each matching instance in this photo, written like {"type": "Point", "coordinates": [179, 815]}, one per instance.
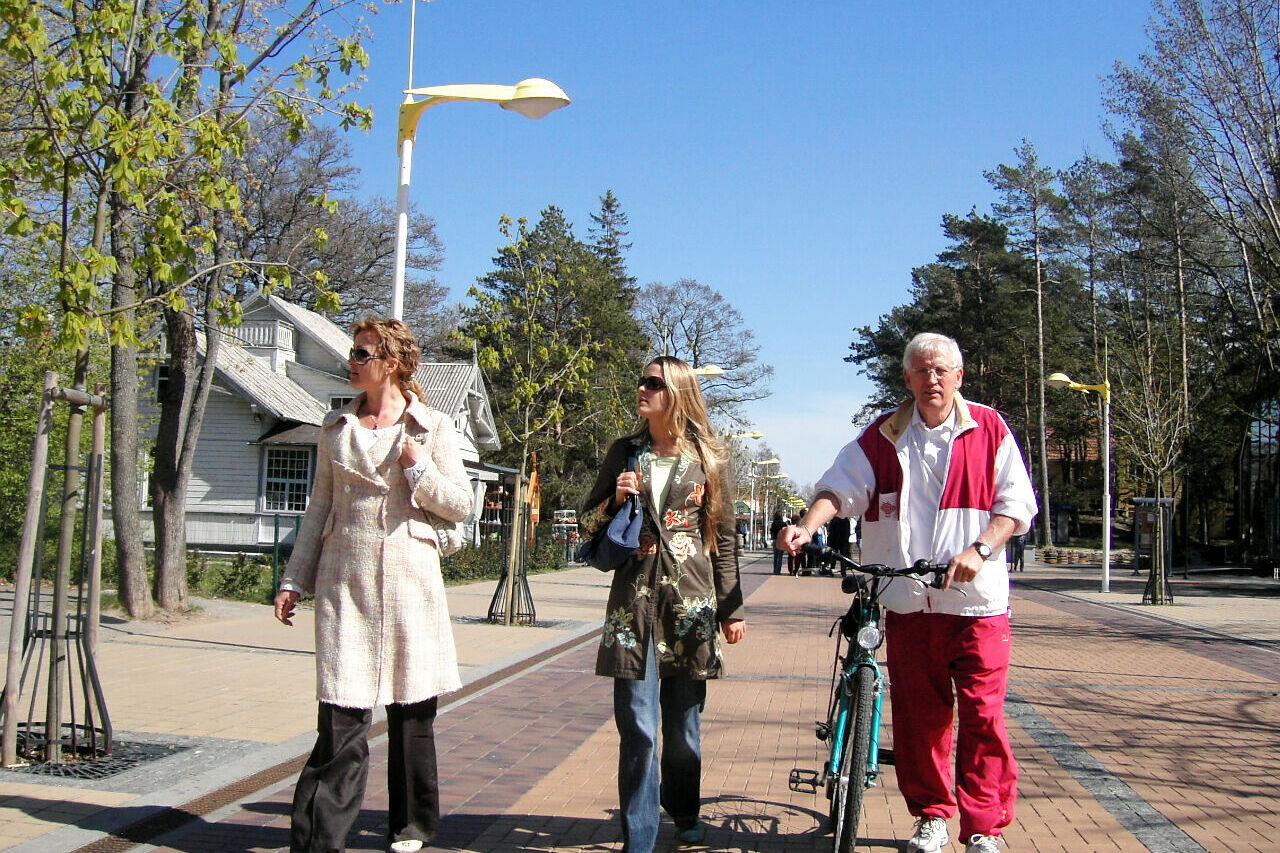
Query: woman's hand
{"type": "Point", "coordinates": [628, 484]}
{"type": "Point", "coordinates": [286, 602]}
{"type": "Point", "coordinates": [733, 630]}
{"type": "Point", "coordinates": [411, 451]}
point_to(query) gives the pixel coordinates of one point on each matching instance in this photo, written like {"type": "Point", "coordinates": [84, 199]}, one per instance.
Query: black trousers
{"type": "Point", "coordinates": [330, 789]}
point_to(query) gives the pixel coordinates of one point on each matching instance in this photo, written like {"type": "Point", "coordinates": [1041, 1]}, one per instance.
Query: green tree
{"type": "Point", "coordinates": [551, 331]}
{"type": "Point", "coordinates": [131, 116]}
{"type": "Point", "coordinates": [607, 233]}
{"type": "Point", "coordinates": [1030, 207]}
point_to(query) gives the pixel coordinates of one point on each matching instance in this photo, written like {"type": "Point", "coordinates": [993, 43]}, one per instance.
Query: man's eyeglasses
{"type": "Point", "coordinates": [933, 372]}
{"type": "Point", "coordinates": [360, 355]}
{"type": "Point", "coordinates": [652, 383]}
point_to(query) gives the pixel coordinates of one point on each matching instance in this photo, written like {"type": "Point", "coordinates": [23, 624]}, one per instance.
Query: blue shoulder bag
{"type": "Point", "coordinates": [615, 543]}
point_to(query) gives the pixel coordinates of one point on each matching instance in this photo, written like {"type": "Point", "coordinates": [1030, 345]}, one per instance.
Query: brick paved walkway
{"type": "Point", "coordinates": [1135, 732]}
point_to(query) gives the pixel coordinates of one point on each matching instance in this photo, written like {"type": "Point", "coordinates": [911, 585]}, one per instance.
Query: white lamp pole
{"type": "Point", "coordinates": [532, 98]}
{"type": "Point", "coordinates": [1061, 380]}
{"type": "Point", "coordinates": [754, 477]}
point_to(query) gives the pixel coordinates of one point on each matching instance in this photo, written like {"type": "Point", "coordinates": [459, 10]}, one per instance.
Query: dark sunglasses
{"type": "Point", "coordinates": [360, 355]}
{"type": "Point", "coordinates": [652, 383]}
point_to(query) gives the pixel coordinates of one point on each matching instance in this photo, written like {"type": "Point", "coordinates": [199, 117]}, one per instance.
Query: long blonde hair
{"type": "Point", "coordinates": [686, 419]}
{"type": "Point", "coordinates": [395, 340]}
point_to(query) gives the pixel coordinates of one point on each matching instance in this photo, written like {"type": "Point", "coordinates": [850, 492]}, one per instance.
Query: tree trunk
{"type": "Point", "coordinates": [131, 563]}
{"type": "Point", "coordinates": [1046, 532]}
{"type": "Point", "coordinates": [168, 489]}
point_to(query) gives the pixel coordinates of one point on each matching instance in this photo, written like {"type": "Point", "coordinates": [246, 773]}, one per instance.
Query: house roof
{"type": "Point", "coordinates": [252, 377]}
{"type": "Point", "coordinates": [459, 387]}
{"type": "Point", "coordinates": [316, 326]}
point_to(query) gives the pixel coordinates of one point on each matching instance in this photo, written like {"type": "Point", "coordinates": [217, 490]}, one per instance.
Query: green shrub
{"type": "Point", "coordinates": [546, 557]}
{"type": "Point", "coordinates": [474, 564]}
{"type": "Point", "coordinates": [247, 578]}
{"type": "Point", "coordinates": [197, 570]}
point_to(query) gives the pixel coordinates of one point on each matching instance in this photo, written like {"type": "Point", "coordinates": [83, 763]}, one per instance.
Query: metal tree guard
{"type": "Point", "coordinates": [58, 646]}
{"type": "Point", "coordinates": [512, 602]}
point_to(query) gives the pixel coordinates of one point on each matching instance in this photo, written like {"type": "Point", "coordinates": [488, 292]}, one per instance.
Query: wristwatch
{"type": "Point", "coordinates": [983, 549]}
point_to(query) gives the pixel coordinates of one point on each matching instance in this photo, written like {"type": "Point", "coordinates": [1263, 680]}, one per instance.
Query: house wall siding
{"type": "Point", "coordinates": [225, 476]}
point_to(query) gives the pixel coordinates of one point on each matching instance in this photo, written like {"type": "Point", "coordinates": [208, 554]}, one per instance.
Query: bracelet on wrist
{"type": "Point", "coordinates": [806, 529]}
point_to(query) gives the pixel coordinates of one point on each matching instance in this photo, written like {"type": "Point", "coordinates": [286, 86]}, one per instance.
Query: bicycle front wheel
{"type": "Point", "coordinates": [851, 783]}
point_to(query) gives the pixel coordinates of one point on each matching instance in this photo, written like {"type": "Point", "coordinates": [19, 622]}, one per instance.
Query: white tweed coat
{"type": "Point", "coordinates": [368, 552]}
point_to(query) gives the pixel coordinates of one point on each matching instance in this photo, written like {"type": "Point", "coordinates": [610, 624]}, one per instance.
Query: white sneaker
{"type": "Point", "coordinates": [409, 845]}
{"type": "Point", "coordinates": [982, 844]}
{"type": "Point", "coordinates": [930, 836]}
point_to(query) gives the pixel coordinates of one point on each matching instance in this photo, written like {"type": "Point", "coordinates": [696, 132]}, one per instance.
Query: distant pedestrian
{"type": "Point", "coordinates": [775, 527]}
{"type": "Point", "coordinates": [660, 642]}
{"type": "Point", "coordinates": [1016, 552]}
{"type": "Point", "coordinates": [838, 533]}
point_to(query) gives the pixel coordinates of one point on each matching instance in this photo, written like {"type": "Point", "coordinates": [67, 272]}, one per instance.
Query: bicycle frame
{"type": "Point", "coordinates": [866, 614]}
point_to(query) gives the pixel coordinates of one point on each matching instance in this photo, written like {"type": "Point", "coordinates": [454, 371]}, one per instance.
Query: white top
{"type": "Point", "coordinates": [930, 450]}
{"type": "Point", "coordinates": [660, 469]}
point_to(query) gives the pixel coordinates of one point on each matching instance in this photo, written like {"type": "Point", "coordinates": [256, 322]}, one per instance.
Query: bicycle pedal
{"type": "Point", "coordinates": [822, 730]}
{"type": "Point", "coordinates": [885, 756]}
{"type": "Point", "coordinates": [804, 781]}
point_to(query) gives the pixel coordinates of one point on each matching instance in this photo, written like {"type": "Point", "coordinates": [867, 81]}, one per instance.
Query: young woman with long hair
{"type": "Point", "coordinates": [670, 602]}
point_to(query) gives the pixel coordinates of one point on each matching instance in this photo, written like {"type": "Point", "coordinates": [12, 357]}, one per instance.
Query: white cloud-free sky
{"type": "Point", "coordinates": [797, 157]}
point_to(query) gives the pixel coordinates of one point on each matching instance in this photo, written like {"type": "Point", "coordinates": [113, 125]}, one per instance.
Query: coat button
{"type": "Point", "coordinates": [346, 531]}
{"type": "Point", "coordinates": [346, 488]}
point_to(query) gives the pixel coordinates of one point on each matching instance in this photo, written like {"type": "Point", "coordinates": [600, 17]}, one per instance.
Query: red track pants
{"type": "Point", "coordinates": [937, 663]}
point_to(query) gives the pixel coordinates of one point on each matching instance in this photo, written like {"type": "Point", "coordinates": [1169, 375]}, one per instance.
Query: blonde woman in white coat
{"type": "Point", "coordinates": [388, 469]}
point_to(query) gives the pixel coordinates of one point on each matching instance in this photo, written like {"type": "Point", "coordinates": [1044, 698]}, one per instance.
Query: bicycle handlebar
{"type": "Point", "coordinates": [919, 567]}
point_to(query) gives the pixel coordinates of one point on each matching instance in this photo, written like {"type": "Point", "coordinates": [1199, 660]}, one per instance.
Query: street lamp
{"type": "Point", "coordinates": [756, 434]}
{"type": "Point", "coordinates": [1061, 380]}
{"type": "Point", "coordinates": [532, 98]}
{"type": "Point", "coordinates": [711, 371]}
{"type": "Point", "coordinates": [754, 477]}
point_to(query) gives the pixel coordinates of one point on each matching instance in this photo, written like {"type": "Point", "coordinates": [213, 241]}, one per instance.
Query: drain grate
{"type": "Point", "coordinates": [124, 756]}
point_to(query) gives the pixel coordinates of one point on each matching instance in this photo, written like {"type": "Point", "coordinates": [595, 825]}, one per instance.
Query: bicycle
{"type": "Point", "coordinates": [852, 728]}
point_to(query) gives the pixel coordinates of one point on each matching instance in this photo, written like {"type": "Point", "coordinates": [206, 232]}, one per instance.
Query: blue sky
{"type": "Point", "coordinates": [797, 157]}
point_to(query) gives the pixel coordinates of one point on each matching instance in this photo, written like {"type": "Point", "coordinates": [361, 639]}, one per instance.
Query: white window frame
{"type": "Point", "coordinates": [303, 454]}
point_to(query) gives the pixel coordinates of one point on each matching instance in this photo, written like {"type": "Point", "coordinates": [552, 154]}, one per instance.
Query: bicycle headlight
{"type": "Point", "coordinates": [869, 638]}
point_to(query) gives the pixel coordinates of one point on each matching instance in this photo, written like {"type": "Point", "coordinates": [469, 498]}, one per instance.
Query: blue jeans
{"type": "Point", "coordinates": [778, 554]}
{"type": "Point", "coordinates": [637, 708]}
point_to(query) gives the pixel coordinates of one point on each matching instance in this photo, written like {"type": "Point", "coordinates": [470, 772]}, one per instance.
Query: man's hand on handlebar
{"type": "Point", "coordinates": [963, 567]}
{"type": "Point", "coordinates": [792, 539]}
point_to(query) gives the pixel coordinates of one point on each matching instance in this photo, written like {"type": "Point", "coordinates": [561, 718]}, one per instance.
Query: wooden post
{"type": "Point", "coordinates": [516, 551]}
{"type": "Point", "coordinates": [23, 571]}
{"type": "Point", "coordinates": [98, 474]}
{"type": "Point", "coordinates": [61, 580]}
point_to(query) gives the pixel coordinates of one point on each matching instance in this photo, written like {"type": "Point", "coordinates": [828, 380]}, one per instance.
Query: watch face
{"type": "Point", "coordinates": [983, 549]}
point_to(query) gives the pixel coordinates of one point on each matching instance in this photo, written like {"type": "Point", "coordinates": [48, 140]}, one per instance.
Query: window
{"type": "Point", "coordinates": [338, 402]}
{"type": "Point", "coordinates": [162, 381]}
{"type": "Point", "coordinates": [288, 479]}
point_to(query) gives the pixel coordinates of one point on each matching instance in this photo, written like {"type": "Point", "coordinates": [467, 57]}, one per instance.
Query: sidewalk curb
{"type": "Point", "coordinates": [224, 788]}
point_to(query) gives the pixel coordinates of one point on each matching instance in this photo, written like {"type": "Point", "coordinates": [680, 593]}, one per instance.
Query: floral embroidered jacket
{"type": "Point", "coordinates": [670, 589]}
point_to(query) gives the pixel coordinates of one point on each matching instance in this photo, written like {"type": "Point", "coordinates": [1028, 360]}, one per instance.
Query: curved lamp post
{"type": "Point", "coordinates": [532, 98]}
{"type": "Point", "coordinates": [1061, 380]}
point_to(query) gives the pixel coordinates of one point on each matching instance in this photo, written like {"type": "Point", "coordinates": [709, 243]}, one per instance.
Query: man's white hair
{"type": "Point", "coordinates": [933, 345]}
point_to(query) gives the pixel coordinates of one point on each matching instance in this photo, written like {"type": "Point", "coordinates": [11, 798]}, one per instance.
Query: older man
{"type": "Point", "coordinates": [940, 479]}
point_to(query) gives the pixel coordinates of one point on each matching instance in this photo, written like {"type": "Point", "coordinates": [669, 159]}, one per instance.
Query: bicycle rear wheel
{"type": "Point", "coordinates": [851, 783]}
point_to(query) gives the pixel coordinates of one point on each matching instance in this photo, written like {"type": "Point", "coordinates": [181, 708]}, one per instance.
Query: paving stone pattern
{"type": "Point", "coordinates": [1134, 732]}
